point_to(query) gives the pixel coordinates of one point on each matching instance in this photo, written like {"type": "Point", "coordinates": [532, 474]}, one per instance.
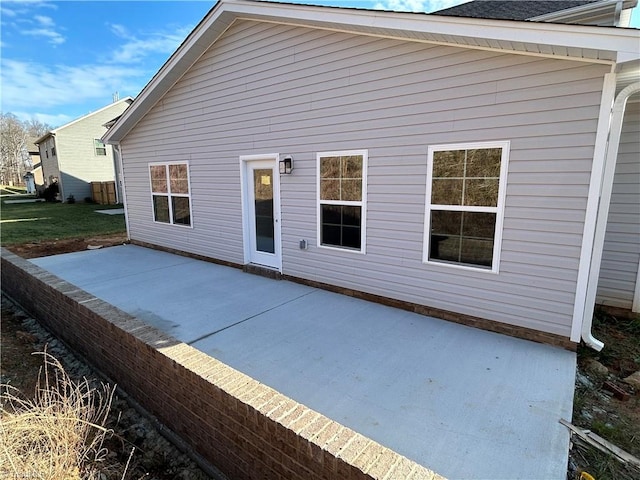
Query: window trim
{"type": "Point", "coordinates": [362, 203]}
{"type": "Point", "coordinates": [498, 209]}
{"type": "Point", "coordinates": [169, 195]}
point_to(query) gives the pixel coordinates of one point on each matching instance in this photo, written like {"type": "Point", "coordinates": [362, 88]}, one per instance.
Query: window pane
{"type": "Point", "coordinates": [479, 225]}
{"type": "Point", "coordinates": [446, 223]}
{"type": "Point", "coordinates": [448, 163]}
{"type": "Point", "coordinates": [330, 235]}
{"type": "Point", "coordinates": [331, 214]}
{"type": "Point", "coordinates": [181, 213]}
{"type": "Point", "coordinates": [330, 189]}
{"type": "Point", "coordinates": [340, 226]}
{"type": "Point", "coordinates": [444, 247]}
{"type": "Point", "coordinates": [352, 166]}
{"type": "Point", "coordinates": [351, 190]}
{"type": "Point", "coordinates": [178, 178]}
{"type": "Point", "coordinates": [477, 252]}
{"type": "Point", "coordinates": [330, 167]}
{"type": "Point", "coordinates": [351, 216]}
{"type": "Point", "coordinates": [351, 237]}
{"type": "Point", "coordinates": [484, 162]}
{"type": "Point", "coordinates": [158, 178]}
{"type": "Point", "coordinates": [446, 192]}
{"type": "Point", "coordinates": [161, 208]}
{"type": "Point", "coordinates": [481, 192]}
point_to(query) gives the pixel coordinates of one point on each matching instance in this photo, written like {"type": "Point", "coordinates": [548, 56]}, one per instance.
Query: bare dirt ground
{"type": "Point", "coordinates": [55, 247]}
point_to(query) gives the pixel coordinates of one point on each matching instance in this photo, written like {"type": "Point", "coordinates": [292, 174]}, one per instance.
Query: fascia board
{"type": "Point", "coordinates": [397, 23]}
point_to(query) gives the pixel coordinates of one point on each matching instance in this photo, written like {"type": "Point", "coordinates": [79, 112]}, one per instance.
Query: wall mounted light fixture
{"type": "Point", "coordinates": [286, 164]}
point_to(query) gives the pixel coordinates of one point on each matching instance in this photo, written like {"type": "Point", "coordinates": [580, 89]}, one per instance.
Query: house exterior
{"type": "Point", "coordinates": [74, 154]}
{"type": "Point", "coordinates": [34, 157]}
{"type": "Point", "coordinates": [450, 165]}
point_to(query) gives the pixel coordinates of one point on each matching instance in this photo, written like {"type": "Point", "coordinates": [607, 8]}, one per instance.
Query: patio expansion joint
{"type": "Point", "coordinates": [192, 342]}
{"type": "Point", "coordinates": [134, 274]}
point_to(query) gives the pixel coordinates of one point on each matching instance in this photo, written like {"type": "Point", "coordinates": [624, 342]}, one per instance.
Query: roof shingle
{"type": "Point", "coordinates": [509, 9]}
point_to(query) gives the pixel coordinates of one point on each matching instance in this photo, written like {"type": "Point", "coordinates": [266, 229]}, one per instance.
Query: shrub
{"type": "Point", "coordinates": [59, 434]}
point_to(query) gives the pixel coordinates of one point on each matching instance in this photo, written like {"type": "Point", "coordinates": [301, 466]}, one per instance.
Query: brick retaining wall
{"type": "Point", "coordinates": [244, 428]}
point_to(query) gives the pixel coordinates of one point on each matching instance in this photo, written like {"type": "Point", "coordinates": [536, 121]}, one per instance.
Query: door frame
{"type": "Point", "coordinates": [246, 194]}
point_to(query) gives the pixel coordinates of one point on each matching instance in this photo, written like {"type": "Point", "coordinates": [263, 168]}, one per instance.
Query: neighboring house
{"type": "Point", "coordinates": [34, 157]}
{"type": "Point", "coordinates": [74, 154]}
{"type": "Point", "coordinates": [446, 164]}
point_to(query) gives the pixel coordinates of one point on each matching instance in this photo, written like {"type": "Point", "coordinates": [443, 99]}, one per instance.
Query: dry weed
{"type": "Point", "coordinates": [59, 434]}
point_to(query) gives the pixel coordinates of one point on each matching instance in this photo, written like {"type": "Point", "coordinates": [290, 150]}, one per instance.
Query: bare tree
{"type": "Point", "coordinates": [14, 154]}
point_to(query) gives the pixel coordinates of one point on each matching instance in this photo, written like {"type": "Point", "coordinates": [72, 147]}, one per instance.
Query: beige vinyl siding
{"type": "Point", "coordinates": [269, 88]}
{"type": "Point", "coordinates": [79, 165]}
{"type": "Point", "coordinates": [621, 254]}
{"type": "Point", "coordinates": [49, 161]}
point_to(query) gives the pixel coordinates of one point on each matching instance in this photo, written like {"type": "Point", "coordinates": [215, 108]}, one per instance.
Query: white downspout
{"type": "Point", "coordinates": [603, 211]}
{"type": "Point", "coordinates": [120, 177]}
{"type": "Point", "coordinates": [591, 213]}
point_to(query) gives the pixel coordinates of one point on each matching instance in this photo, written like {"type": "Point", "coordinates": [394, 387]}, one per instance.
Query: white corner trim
{"type": "Point", "coordinates": [635, 307]}
{"type": "Point", "coordinates": [117, 151]}
{"type": "Point", "coordinates": [597, 168]}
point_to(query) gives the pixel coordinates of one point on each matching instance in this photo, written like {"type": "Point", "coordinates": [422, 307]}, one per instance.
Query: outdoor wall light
{"type": "Point", "coordinates": [286, 164]}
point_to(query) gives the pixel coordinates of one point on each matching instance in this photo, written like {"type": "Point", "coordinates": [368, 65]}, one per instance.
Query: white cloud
{"type": "Point", "coordinates": [416, 5]}
{"type": "Point", "coordinates": [141, 45]}
{"type": "Point", "coordinates": [37, 25]}
{"type": "Point", "coordinates": [12, 8]}
{"type": "Point", "coordinates": [44, 21]}
{"type": "Point", "coordinates": [55, 120]}
{"type": "Point", "coordinates": [54, 37]}
{"type": "Point", "coordinates": [64, 85]}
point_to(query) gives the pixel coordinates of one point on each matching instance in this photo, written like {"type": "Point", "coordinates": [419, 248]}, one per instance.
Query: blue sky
{"type": "Point", "coordinates": [64, 59]}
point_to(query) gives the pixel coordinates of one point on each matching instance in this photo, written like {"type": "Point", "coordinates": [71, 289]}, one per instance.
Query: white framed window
{"type": "Point", "coordinates": [342, 193]}
{"type": "Point", "coordinates": [466, 189]}
{"type": "Point", "coordinates": [99, 147]}
{"type": "Point", "coordinates": [170, 193]}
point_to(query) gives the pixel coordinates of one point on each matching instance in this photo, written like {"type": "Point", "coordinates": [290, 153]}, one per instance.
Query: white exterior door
{"type": "Point", "coordinates": [261, 210]}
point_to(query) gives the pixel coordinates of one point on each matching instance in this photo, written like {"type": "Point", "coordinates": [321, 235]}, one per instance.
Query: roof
{"type": "Point", "coordinates": [52, 132]}
{"type": "Point", "coordinates": [577, 42]}
{"type": "Point", "coordinates": [525, 9]}
{"type": "Point", "coordinates": [508, 9]}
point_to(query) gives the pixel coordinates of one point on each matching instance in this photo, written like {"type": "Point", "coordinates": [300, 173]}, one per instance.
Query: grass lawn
{"type": "Point", "coordinates": [35, 222]}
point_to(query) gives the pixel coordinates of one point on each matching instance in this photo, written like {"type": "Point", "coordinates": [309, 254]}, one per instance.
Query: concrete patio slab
{"type": "Point", "coordinates": [466, 403]}
{"type": "Point", "coordinates": [113, 211]}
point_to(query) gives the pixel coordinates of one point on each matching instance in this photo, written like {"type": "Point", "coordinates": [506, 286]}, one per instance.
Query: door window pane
{"type": "Point", "coordinates": [263, 204]}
